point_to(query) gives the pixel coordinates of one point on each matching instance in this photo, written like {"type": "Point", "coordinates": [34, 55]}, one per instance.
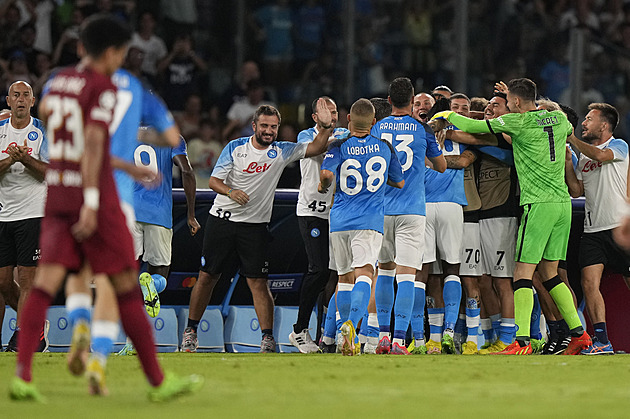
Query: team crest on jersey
{"type": "Point", "coordinates": [272, 154]}
{"type": "Point", "coordinates": [32, 135]}
{"type": "Point", "coordinates": [315, 232]}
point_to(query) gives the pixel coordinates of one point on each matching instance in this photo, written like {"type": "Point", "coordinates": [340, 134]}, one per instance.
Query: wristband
{"type": "Point", "coordinates": [229, 192]}
{"type": "Point", "coordinates": [91, 198]}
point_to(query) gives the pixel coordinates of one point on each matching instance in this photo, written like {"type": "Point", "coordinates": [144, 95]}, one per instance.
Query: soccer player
{"type": "Point", "coordinates": [601, 176]}
{"type": "Point", "coordinates": [245, 178]}
{"type": "Point", "coordinates": [312, 211]}
{"type": "Point", "coordinates": [83, 223]}
{"type": "Point", "coordinates": [360, 165]}
{"type": "Point", "coordinates": [23, 163]}
{"type": "Point", "coordinates": [441, 91]}
{"type": "Point", "coordinates": [538, 139]}
{"type": "Point", "coordinates": [400, 256]}
{"type": "Point", "coordinates": [422, 104]}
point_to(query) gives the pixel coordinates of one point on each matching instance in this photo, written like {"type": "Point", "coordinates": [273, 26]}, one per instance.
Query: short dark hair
{"type": "Point", "coordinates": [400, 92]}
{"type": "Point", "coordinates": [442, 87]}
{"type": "Point", "coordinates": [608, 112]}
{"type": "Point", "coordinates": [523, 88]}
{"type": "Point", "coordinates": [362, 107]}
{"type": "Point", "coordinates": [102, 31]}
{"type": "Point", "coordinates": [572, 116]}
{"type": "Point", "coordinates": [460, 96]}
{"type": "Point", "coordinates": [266, 110]}
{"type": "Point", "coordinates": [382, 108]}
{"type": "Point", "coordinates": [326, 98]}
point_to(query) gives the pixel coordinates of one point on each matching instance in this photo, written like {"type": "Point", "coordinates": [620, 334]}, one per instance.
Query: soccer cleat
{"type": "Point", "coordinates": [578, 344]}
{"type": "Point", "coordinates": [486, 345]}
{"type": "Point", "coordinates": [173, 386]}
{"type": "Point", "coordinates": [303, 342]}
{"type": "Point", "coordinates": [127, 350]}
{"type": "Point", "coordinates": [79, 348]}
{"type": "Point", "coordinates": [448, 345]}
{"type": "Point", "coordinates": [434, 347]}
{"type": "Point", "coordinates": [598, 348]}
{"type": "Point", "coordinates": [327, 349]}
{"type": "Point", "coordinates": [267, 345]}
{"type": "Point", "coordinates": [537, 345]}
{"type": "Point", "coordinates": [369, 348]}
{"type": "Point", "coordinates": [150, 294]}
{"type": "Point", "coordinates": [189, 340]}
{"type": "Point", "coordinates": [95, 373]}
{"type": "Point", "coordinates": [43, 338]}
{"type": "Point", "coordinates": [469, 348]}
{"type": "Point", "coordinates": [556, 346]}
{"type": "Point", "coordinates": [21, 390]}
{"type": "Point", "coordinates": [384, 346]}
{"type": "Point", "coordinates": [497, 346]}
{"type": "Point", "coordinates": [12, 344]}
{"type": "Point", "coordinates": [348, 335]}
{"type": "Point", "coordinates": [515, 349]}
{"type": "Point", "coordinates": [398, 350]}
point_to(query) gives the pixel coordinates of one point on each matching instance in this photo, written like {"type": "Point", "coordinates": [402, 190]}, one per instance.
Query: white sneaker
{"type": "Point", "coordinates": [303, 342]}
{"type": "Point", "coordinates": [370, 345]}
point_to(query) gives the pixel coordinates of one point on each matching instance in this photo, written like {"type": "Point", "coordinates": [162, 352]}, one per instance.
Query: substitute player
{"type": "Point", "coordinates": [601, 176]}
{"type": "Point", "coordinates": [360, 166]}
{"type": "Point", "coordinates": [539, 139]}
{"type": "Point", "coordinates": [400, 256]}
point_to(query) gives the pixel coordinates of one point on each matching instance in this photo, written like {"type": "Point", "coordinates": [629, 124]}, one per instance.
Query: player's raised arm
{"type": "Point", "coordinates": [320, 142]}
{"type": "Point", "coordinates": [590, 151]}
{"type": "Point", "coordinates": [465, 124]}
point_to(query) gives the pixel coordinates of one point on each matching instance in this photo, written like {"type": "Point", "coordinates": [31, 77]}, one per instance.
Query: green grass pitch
{"type": "Point", "coordinates": [332, 386]}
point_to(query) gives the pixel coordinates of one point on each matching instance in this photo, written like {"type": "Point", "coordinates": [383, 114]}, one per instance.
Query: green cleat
{"type": "Point", "coordinates": [128, 349]}
{"type": "Point", "coordinates": [173, 386]}
{"type": "Point", "coordinates": [150, 294]}
{"type": "Point", "coordinates": [448, 345]}
{"type": "Point", "coordinates": [21, 390]}
{"type": "Point", "coordinates": [537, 345]}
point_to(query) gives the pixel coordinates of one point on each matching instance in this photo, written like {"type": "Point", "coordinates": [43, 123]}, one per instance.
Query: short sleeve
{"type": "Point", "coordinates": [292, 151]}
{"type": "Point", "coordinates": [394, 172]}
{"type": "Point", "coordinates": [225, 162]}
{"type": "Point", "coordinates": [332, 157]}
{"type": "Point", "coordinates": [99, 108]}
{"type": "Point", "coordinates": [619, 148]}
{"type": "Point", "coordinates": [306, 136]}
{"type": "Point", "coordinates": [155, 113]}
{"type": "Point", "coordinates": [180, 149]}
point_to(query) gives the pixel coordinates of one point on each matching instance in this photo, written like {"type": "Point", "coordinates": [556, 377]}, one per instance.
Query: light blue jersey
{"type": "Point", "coordinates": [155, 206]}
{"type": "Point", "coordinates": [362, 166]}
{"type": "Point", "coordinates": [413, 141]}
{"type": "Point", "coordinates": [447, 186]}
{"type": "Point", "coordinates": [134, 105]}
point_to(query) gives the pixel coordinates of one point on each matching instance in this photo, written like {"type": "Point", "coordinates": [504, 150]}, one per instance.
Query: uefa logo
{"type": "Point", "coordinates": [272, 154]}
{"type": "Point", "coordinates": [32, 135]}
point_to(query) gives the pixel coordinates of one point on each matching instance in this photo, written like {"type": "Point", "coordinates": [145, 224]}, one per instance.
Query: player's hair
{"type": "Point", "coordinates": [572, 116]}
{"type": "Point", "coordinates": [523, 88]}
{"type": "Point", "coordinates": [460, 96]}
{"type": "Point", "coordinates": [441, 104]}
{"type": "Point", "coordinates": [478, 104]}
{"type": "Point", "coordinates": [382, 108]}
{"type": "Point", "coordinates": [102, 31]}
{"type": "Point", "coordinates": [326, 98]}
{"type": "Point", "coordinates": [362, 113]}
{"type": "Point", "coordinates": [548, 104]}
{"type": "Point", "coordinates": [266, 110]}
{"type": "Point", "coordinates": [608, 112]}
{"type": "Point", "coordinates": [502, 95]}
{"type": "Point", "coordinates": [442, 87]}
{"type": "Point", "coordinates": [400, 92]}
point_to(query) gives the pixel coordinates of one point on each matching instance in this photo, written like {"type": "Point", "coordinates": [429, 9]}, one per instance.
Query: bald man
{"type": "Point", "coordinates": [23, 163]}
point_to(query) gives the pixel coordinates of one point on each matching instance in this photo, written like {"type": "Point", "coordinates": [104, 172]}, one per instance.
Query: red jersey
{"type": "Point", "coordinates": [76, 97]}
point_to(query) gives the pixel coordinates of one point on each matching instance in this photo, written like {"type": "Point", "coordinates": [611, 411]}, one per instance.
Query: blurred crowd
{"type": "Point", "coordinates": [295, 51]}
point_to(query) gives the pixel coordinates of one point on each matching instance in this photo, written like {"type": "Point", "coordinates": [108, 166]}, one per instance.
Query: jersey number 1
{"type": "Point", "coordinates": [552, 143]}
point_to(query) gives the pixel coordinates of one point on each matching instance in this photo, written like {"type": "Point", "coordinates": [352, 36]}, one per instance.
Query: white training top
{"type": "Point", "coordinates": [310, 202]}
{"type": "Point", "coordinates": [605, 186]}
{"type": "Point", "coordinates": [255, 172]}
{"type": "Point", "coordinates": [22, 195]}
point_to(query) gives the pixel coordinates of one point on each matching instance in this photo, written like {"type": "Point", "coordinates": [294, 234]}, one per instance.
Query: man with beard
{"type": "Point", "coordinates": [601, 176]}
{"type": "Point", "coordinates": [245, 178]}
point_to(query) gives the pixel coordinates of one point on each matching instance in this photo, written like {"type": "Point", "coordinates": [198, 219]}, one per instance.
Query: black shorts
{"type": "Point", "coordinates": [249, 240]}
{"type": "Point", "coordinates": [19, 242]}
{"type": "Point", "coordinates": [600, 247]}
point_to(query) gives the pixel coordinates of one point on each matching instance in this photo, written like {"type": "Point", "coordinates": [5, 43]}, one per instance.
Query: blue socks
{"type": "Point", "coordinates": [330, 325]}
{"type": "Point", "coordinates": [404, 304]}
{"type": "Point", "coordinates": [384, 296]}
{"type": "Point", "coordinates": [452, 294]}
{"type": "Point", "coordinates": [344, 292]}
{"type": "Point", "coordinates": [507, 331]}
{"type": "Point", "coordinates": [359, 299]}
{"type": "Point", "coordinates": [104, 333]}
{"type": "Point", "coordinates": [78, 306]}
{"type": "Point", "coordinates": [472, 319]}
{"type": "Point", "coordinates": [534, 329]}
{"type": "Point", "coordinates": [417, 314]}
{"type": "Point", "coordinates": [160, 282]}
{"type": "Point", "coordinates": [600, 332]}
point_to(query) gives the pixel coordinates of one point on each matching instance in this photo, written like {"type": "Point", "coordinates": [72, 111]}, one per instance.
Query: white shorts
{"type": "Point", "coordinates": [331, 256]}
{"type": "Point", "coordinates": [472, 258]}
{"type": "Point", "coordinates": [130, 218]}
{"type": "Point", "coordinates": [498, 244]}
{"type": "Point", "coordinates": [444, 231]}
{"type": "Point", "coordinates": [153, 242]}
{"type": "Point", "coordinates": [355, 248]}
{"type": "Point", "coordinates": [403, 241]}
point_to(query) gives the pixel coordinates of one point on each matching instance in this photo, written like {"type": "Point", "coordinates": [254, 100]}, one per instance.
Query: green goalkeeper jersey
{"type": "Point", "coordinates": [539, 141]}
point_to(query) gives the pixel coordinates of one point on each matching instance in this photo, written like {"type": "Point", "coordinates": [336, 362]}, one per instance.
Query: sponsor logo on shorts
{"type": "Point", "coordinates": [315, 232]}
{"type": "Point", "coordinates": [32, 135]}
{"type": "Point", "coordinates": [272, 154]}
{"type": "Point", "coordinates": [38, 254]}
